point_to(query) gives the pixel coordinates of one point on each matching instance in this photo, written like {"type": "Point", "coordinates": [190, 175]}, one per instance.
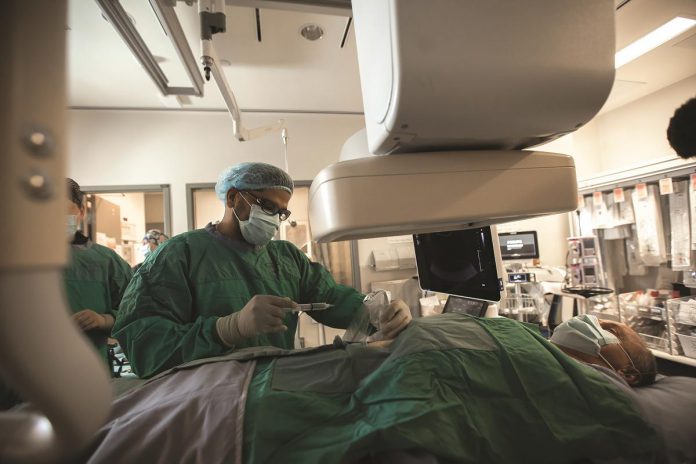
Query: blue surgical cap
{"type": "Point", "coordinates": [155, 236]}
{"type": "Point", "coordinates": [252, 176]}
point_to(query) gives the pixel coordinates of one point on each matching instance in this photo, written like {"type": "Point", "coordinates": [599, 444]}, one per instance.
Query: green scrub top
{"type": "Point", "coordinates": [96, 278]}
{"type": "Point", "coordinates": [168, 314]}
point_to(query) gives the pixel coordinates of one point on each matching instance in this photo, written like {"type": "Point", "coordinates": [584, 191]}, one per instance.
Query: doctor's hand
{"type": "Point", "coordinates": [91, 320]}
{"type": "Point", "coordinates": [263, 314]}
{"type": "Point", "coordinates": [394, 318]}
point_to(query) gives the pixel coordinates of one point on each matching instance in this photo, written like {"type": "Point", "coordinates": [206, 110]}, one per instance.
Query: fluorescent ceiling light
{"type": "Point", "coordinates": [653, 39]}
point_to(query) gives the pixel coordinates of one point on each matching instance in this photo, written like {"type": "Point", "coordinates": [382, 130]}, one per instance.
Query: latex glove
{"type": "Point", "coordinates": [394, 318]}
{"type": "Point", "coordinates": [263, 314]}
{"type": "Point", "coordinates": [91, 320]}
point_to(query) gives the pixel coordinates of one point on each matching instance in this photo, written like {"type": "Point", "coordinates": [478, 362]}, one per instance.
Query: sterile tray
{"type": "Point", "coordinates": [684, 311]}
{"type": "Point", "coordinates": [658, 343]}
{"type": "Point", "coordinates": [688, 345]}
{"type": "Point", "coordinates": [605, 307]}
{"type": "Point", "coordinates": [682, 325]}
{"type": "Point", "coordinates": [648, 312]}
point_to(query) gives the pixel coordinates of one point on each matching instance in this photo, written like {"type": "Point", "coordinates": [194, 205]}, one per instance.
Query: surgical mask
{"type": "Point", "coordinates": [260, 228]}
{"type": "Point", "coordinates": [70, 226]}
{"type": "Point", "coordinates": [583, 334]}
{"type": "Point", "coordinates": [145, 249]}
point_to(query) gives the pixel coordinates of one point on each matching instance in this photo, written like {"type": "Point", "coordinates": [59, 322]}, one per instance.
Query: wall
{"type": "Point", "coordinates": [367, 273]}
{"type": "Point", "coordinates": [132, 208]}
{"type": "Point", "coordinates": [616, 140]}
{"type": "Point", "coordinates": [636, 132]}
{"type": "Point", "coordinates": [154, 207]}
{"type": "Point", "coordinates": [207, 208]}
{"type": "Point", "coordinates": [110, 147]}
{"type": "Point", "coordinates": [553, 230]}
{"type": "Point", "coordinates": [195, 146]}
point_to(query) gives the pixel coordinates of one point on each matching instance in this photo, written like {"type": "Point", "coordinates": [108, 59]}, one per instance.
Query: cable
{"type": "Point", "coordinates": [622, 4]}
{"type": "Point", "coordinates": [284, 138]}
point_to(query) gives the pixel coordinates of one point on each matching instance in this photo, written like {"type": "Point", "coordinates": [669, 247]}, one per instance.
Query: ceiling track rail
{"type": "Point", "coordinates": [117, 16]}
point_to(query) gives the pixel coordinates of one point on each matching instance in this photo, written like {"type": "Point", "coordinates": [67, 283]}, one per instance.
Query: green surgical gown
{"type": "Point", "coordinates": [168, 314]}
{"type": "Point", "coordinates": [465, 389]}
{"type": "Point", "coordinates": [96, 278]}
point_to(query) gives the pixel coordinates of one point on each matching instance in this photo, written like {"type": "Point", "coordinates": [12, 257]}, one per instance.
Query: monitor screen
{"type": "Point", "coordinates": [456, 304]}
{"type": "Point", "coordinates": [520, 277]}
{"type": "Point", "coordinates": [519, 245]}
{"type": "Point", "coordinates": [462, 263]}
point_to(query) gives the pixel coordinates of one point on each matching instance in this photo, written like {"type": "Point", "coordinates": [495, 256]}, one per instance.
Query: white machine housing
{"type": "Point", "coordinates": [43, 355]}
{"type": "Point", "coordinates": [439, 191]}
{"type": "Point", "coordinates": [494, 74]}
{"type": "Point", "coordinates": [452, 90]}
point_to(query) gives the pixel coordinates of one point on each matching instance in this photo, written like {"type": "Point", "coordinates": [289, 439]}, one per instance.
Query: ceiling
{"type": "Point", "coordinates": [282, 72]}
{"type": "Point", "coordinates": [665, 65]}
{"type": "Point", "coordinates": [285, 72]}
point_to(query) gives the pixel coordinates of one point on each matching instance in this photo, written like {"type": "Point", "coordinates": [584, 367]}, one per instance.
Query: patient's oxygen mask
{"type": "Point", "coordinates": [583, 334]}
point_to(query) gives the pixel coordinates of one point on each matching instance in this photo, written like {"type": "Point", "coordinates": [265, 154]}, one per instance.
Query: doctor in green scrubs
{"type": "Point", "coordinates": [228, 286]}
{"type": "Point", "coordinates": [95, 279]}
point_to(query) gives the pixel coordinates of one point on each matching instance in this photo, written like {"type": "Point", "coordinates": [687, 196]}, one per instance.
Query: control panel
{"type": "Point", "coordinates": [585, 261]}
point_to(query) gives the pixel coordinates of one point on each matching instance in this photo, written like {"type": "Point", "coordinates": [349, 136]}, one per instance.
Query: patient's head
{"type": "Point", "coordinates": [609, 344]}
{"type": "Point", "coordinates": [643, 369]}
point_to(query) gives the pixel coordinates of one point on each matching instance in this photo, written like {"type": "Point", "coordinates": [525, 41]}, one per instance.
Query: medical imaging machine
{"type": "Point", "coordinates": [453, 91]}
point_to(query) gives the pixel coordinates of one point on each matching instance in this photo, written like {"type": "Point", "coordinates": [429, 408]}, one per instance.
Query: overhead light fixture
{"type": "Point", "coordinates": [312, 32]}
{"type": "Point", "coordinates": [653, 39]}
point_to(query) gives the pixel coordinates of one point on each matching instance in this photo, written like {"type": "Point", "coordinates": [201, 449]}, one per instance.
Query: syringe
{"type": "Point", "coordinates": [310, 307]}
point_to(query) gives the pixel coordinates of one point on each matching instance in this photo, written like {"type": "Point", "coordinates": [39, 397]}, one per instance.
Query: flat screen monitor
{"type": "Point", "coordinates": [519, 245]}
{"type": "Point", "coordinates": [457, 304]}
{"type": "Point", "coordinates": [462, 263]}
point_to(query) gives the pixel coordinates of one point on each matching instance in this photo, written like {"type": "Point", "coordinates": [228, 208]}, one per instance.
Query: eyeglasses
{"type": "Point", "coordinates": [268, 207]}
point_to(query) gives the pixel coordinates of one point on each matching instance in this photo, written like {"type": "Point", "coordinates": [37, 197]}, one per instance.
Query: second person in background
{"type": "Point", "coordinates": [152, 239]}
{"type": "Point", "coordinates": [95, 279]}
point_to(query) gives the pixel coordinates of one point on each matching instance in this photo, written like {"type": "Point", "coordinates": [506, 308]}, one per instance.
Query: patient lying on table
{"type": "Point", "coordinates": [459, 388]}
{"type": "Point", "coordinates": [607, 344]}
